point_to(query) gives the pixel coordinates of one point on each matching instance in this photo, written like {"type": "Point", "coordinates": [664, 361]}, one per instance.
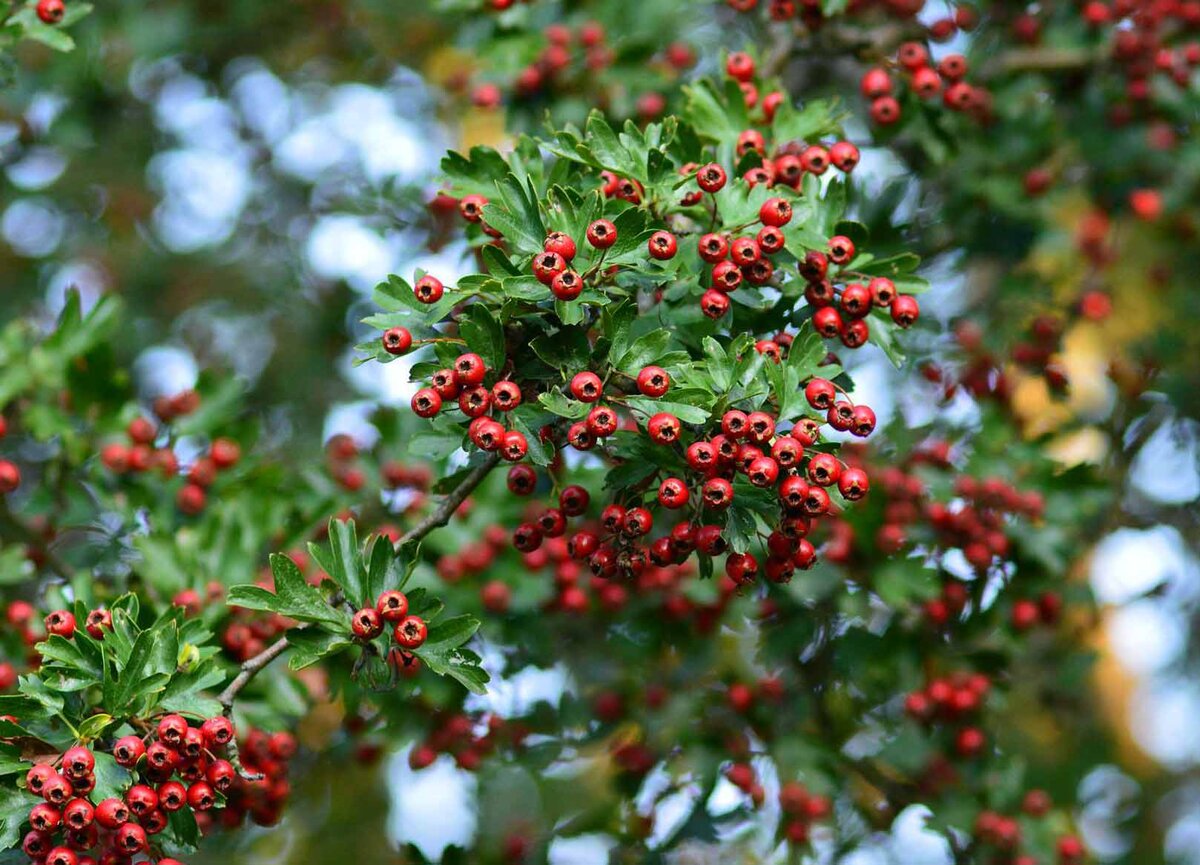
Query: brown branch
{"type": "Point", "coordinates": [250, 668]}
{"type": "Point", "coordinates": [442, 513]}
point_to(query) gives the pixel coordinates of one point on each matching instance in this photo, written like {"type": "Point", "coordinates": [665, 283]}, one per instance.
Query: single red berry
{"type": "Point", "coordinates": [561, 243]}
{"type": "Point", "coordinates": [713, 248]}
{"type": "Point", "coordinates": [469, 369]}
{"type": "Point", "coordinates": [602, 234]}
{"type": "Point", "coordinates": [853, 484]}
{"type": "Point", "coordinates": [828, 322]}
{"type": "Point", "coordinates": [429, 289]}
{"type": "Point", "coordinates": [587, 387]}
{"type": "Point", "coordinates": [410, 632]}
{"type": "Point", "coordinates": [426, 402]}
{"type": "Point", "coordinates": [201, 796]}
{"type": "Point", "coordinates": [662, 245]}
{"type": "Point", "coordinates": [905, 310]}
{"type": "Point", "coordinates": [663, 428]}
{"type": "Point", "coordinates": [770, 240]}
{"type": "Point", "coordinates": [392, 606]}
{"type": "Point", "coordinates": [726, 277]}
{"type": "Point", "coordinates": [10, 477]}
{"type": "Point", "coordinates": [841, 249]}
{"type": "Point", "coordinates": [506, 395]}
{"type": "Point", "coordinates": [112, 813]}
{"type": "Point", "coordinates": [711, 177]}
{"type": "Point", "coordinates": [776, 212]}
{"type": "Point", "coordinates": [217, 732]}
{"type": "Point", "coordinates": [740, 65]}
{"type": "Point", "coordinates": [527, 537]}
{"type": "Point", "coordinates": [131, 839]}
{"type": "Point", "coordinates": [885, 111]}
{"type": "Point", "coordinates": [742, 252]}
{"type": "Point", "coordinates": [128, 750]}
{"type": "Point", "coordinates": [673, 493]}
{"type": "Point", "coordinates": [566, 285]}
{"type": "Point", "coordinates": [514, 446]}
{"type": "Point", "coordinates": [601, 421]}
{"type": "Point", "coordinates": [397, 340]}
{"type": "Point", "coordinates": [475, 402]}
{"type": "Point", "coordinates": [471, 207]}
{"type": "Point", "coordinates": [60, 623]}
{"type": "Point", "coordinates": [367, 624]}
{"type": "Point", "coordinates": [653, 381]}
{"type": "Point", "coordinates": [844, 156]}
{"type": "Point", "coordinates": [51, 11]}
{"type": "Point", "coordinates": [714, 304]}
{"type": "Point", "coordinates": [763, 472]}
{"type": "Point", "coordinates": [548, 265]}
{"type": "Point", "coordinates": [521, 480]}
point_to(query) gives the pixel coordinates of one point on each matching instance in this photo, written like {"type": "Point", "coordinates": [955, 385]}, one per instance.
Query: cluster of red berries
{"type": "Point", "coordinates": [141, 454]}
{"type": "Point", "coordinates": [261, 790]}
{"type": "Point", "coordinates": [176, 767]}
{"type": "Point", "coordinates": [552, 266]}
{"type": "Point", "coordinates": [953, 703]}
{"type": "Point", "coordinates": [801, 808]}
{"type": "Point", "coordinates": [391, 608]}
{"type": "Point", "coordinates": [464, 382]}
{"type": "Point", "coordinates": [568, 57]}
{"type": "Point", "coordinates": [841, 311]}
{"type": "Point", "coordinates": [467, 741]}
{"type": "Point", "coordinates": [1003, 833]}
{"type": "Point", "coordinates": [748, 444]}
{"type": "Point", "coordinates": [926, 80]}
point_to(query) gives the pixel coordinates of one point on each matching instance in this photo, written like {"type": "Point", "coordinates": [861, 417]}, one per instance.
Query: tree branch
{"type": "Point", "coordinates": [441, 515]}
{"type": "Point", "coordinates": [250, 668]}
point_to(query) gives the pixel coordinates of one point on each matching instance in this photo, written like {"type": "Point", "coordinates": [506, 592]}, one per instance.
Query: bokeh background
{"type": "Point", "coordinates": [245, 173]}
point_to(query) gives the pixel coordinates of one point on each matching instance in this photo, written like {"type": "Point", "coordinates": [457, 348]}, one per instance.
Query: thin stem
{"type": "Point", "coordinates": [441, 515]}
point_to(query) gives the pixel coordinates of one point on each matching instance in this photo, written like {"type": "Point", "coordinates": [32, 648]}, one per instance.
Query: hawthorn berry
{"type": "Point", "coordinates": [469, 369]}
{"type": "Point", "coordinates": [713, 248]}
{"type": "Point", "coordinates": [653, 381]}
{"type": "Point", "coordinates": [392, 606]}
{"type": "Point", "coordinates": [726, 277]}
{"type": "Point", "coordinates": [566, 285]}
{"type": "Point", "coordinates": [60, 623]}
{"type": "Point", "coordinates": [522, 480]}
{"type": "Point", "coordinates": [587, 387]}
{"type": "Point", "coordinates": [397, 340]}
{"type": "Point", "coordinates": [775, 212]}
{"type": "Point", "coordinates": [717, 493]}
{"type": "Point", "coordinates": [429, 289]}
{"type": "Point", "coordinates": [471, 207]}
{"type": "Point", "coordinates": [663, 428]}
{"type": "Point", "coordinates": [714, 304]}
{"type": "Point", "coordinates": [410, 632]}
{"type": "Point", "coordinates": [601, 421]}
{"type": "Point", "coordinates": [51, 11]}
{"type": "Point", "coordinates": [548, 265]}
{"type": "Point", "coordinates": [673, 493]}
{"type": "Point", "coordinates": [10, 477]}
{"type": "Point", "coordinates": [367, 624]}
{"type": "Point", "coordinates": [711, 177]}
{"type": "Point", "coordinates": [662, 245]}
{"type": "Point", "coordinates": [560, 243]}
{"type": "Point", "coordinates": [844, 156]}
{"type": "Point", "coordinates": [513, 446]}
{"type": "Point", "coordinates": [426, 402]}
{"type": "Point", "coordinates": [602, 234]}
{"type": "Point", "coordinates": [905, 310]}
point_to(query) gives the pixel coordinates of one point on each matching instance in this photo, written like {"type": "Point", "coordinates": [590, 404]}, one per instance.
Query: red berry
{"type": "Point", "coordinates": [740, 65]}
{"type": "Point", "coordinates": [844, 156]}
{"type": "Point", "coordinates": [561, 243]}
{"type": "Point", "coordinates": [429, 289]}
{"type": "Point", "coordinates": [653, 381]}
{"type": "Point", "coordinates": [673, 493]}
{"type": "Point", "coordinates": [10, 477]}
{"type": "Point", "coordinates": [714, 304]}
{"type": "Point", "coordinates": [411, 632]}
{"type": "Point", "coordinates": [662, 245]}
{"type": "Point", "coordinates": [521, 480]}
{"type": "Point", "coordinates": [51, 12]}
{"type": "Point", "coordinates": [392, 606]}
{"type": "Point", "coordinates": [367, 624]}
{"type": "Point", "coordinates": [905, 310]}
{"type": "Point", "coordinates": [548, 265]}
{"type": "Point", "coordinates": [587, 387]}
{"type": "Point", "coordinates": [60, 623]}
{"type": "Point", "coordinates": [426, 402]}
{"type": "Point", "coordinates": [566, 285]}
{"type": "Point", "coordinates": [663, 428]}
{"type": "Point", "coordinates": [713, 248]}
{"type": "Point", "coordinates": [776, 212]}
{"type": "Point", "coordinates": [601, 421]}
{"type": "Point", "coordinates": [469, 369]}
{"type": "Point", "coordinates": [602, 234]}
{"type": "Point", "coordinates": [397, 340]}
{"type": "Point", "coordinates": [711, 177]}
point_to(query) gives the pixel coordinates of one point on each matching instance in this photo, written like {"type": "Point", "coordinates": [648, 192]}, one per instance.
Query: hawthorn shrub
{"type": "Point", "coordinates": [635, 453]}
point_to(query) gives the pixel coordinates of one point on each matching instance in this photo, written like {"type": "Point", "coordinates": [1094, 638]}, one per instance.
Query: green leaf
{"type": "Point", "coordinates": [14, 809]}
{"type": "Point", "coordinates": [443, 654]}
{"type": "Point", "coordinates": [516, 215]}
{"type": "Point", "coordinates": [310, 646]}
{"type": "Point", "coordinates": [293, 597]}
{"type": "Point", "coordinates": [645, 350]}
{"type": "Point", "coordinates": [484, 335]}
{"type": "Point", "coordinates": [567, 349]}
{"type": "Point", "coordinates": [558, 404]}
{"type": "Point", "coordinates": [686, 413]}
{"type": "Point", "coordinates": [341, 561]}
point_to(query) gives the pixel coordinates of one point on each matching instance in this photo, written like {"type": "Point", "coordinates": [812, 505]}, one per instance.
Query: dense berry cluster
{"type": "Point", "coordinates": [391, 610]}
{"type": "Point", "coordinates": [926, 80]}
{"type": "Point", "coordinates": [173, 767]}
